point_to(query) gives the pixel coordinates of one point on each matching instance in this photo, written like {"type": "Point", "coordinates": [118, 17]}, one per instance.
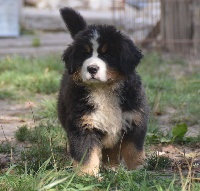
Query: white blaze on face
{"type": "Point", "coordinates": [94, 61]}
{"type": "Point", "coordinates": [95, 44]}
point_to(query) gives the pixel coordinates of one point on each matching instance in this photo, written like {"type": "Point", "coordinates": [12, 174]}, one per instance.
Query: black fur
{"type": "Point", "coordinates": [73, 20]}
{"type": "Point", "coordinates": [74, 101]}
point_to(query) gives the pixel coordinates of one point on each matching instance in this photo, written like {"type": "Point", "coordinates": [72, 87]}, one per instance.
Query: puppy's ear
{"type": "Point", "coordinates": [130, 56]}
{"type": "Point", "coordinates": [73, 20]}
{"type": "Point", "coordinates": [67, 58]}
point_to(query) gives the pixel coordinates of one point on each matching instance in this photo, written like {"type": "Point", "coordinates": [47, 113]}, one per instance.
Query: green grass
{"type": "Point", "coordinates": [176, 91]}
{"type": "Point", "coordinates": [65, 179]}
{"type": "Point", "coordinates": [42, 163]}
{"type": "Point", "coordinates": [167, 89]}
{"type": "Point", "coordinates": [5, 94]}
{"type": "Point", "coordinates": [47, 141]}
{"type": "Point", "coordinates": [5, 147]}
{"type": "Point", "coordinates": [48, 109]}
{"type": "Point", "coordinates": [38, 75]}
{"type": "Point", "coordinates": [44, 166]}
{"type": "Point", "coordinates": [36, 42]}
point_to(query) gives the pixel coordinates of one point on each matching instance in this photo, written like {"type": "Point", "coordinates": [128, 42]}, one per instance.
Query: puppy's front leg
{"type": "Point", "coordinates": [85, 149]}
{"type": "Point", "coordinates": [91, 165]}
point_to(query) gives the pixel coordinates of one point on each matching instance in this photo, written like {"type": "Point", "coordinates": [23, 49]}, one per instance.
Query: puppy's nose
{"type": "Point", "coordinates": [93, 69]}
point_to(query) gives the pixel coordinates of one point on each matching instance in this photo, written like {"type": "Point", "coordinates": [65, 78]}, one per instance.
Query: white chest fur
{"type": "Point", "coordinates": [107, 116]}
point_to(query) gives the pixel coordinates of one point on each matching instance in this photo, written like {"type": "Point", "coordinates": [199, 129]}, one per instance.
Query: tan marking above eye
{"type": "Point", "coordinates": [104, 48]}
{"type": "Point", "coordinates": [87, 48]}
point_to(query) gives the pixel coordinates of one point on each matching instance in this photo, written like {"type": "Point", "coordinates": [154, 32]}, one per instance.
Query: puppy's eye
{"type": "Point", "coordinates": [87, 48]}
{"type": "Point", "coordinates": [104, 48]}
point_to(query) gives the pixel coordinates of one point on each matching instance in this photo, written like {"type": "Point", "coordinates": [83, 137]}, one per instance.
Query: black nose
{"type": "Point", "coordinates": [93, 69]}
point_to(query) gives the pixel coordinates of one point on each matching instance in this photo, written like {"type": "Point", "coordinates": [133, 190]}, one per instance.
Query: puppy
{"type": "Point", "coordinates": [101, 104]}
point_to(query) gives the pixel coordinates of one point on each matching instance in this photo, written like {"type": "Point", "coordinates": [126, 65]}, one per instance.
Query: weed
{"type": "Point", "coordinates": [45, 143]}
{"type": "Point", "coordinates": [36, 42]}
{"type": "Point", "coordinates": [188, 179]}
{"type": "Point", "coordinates": [5, 94]}
{"type": "Point", "coordinates": [5, 147]}
{"type": "Point", "coordinates": [24, 31]}
{"type": "Point", "coordinates": [48, 109]}
{"type": "Point", "coordinates": [155, 136]}
{"type": "Point", "coordinates": [22, 133]}
{"type": "Point", "coordinates": [157, 162]}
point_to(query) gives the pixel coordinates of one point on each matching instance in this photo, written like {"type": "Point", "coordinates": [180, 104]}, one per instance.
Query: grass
{"type": "Point", "coordinates": [38, 75]}
{"type": "Point", "coordinates": [42, 163]}
{"type": "Point", "coordinates": [180, 92]}
{"type": "Point", "coordinates": [47, 141]}
{"type": "Point", "coordinates": [168, 88]}
{"type": "Point", "coordinates": [48, 109]}
{"type": "Point", "coordinates": [5, 94]}
{"type": "Point", "coordinates": [36, 42]}
{"type": "Point", "coordinates": [5, 147]}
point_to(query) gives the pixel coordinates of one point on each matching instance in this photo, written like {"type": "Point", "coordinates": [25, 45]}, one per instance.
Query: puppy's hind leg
{"type": "Point", "coordinates": [132, 151]}
{"type": "Point", "coordinates": [133, 157]}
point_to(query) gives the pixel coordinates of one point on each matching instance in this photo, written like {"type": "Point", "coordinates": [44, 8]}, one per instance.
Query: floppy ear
{"type": "Point", "coordinates": [73, 20]}
{"type": "Point", "coordinates": [67, 58]}
{"type": "Point", "coordinates": [130, 56]}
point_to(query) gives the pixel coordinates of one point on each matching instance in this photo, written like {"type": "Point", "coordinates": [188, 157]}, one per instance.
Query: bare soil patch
{"type": "Point", "coordinates": [12, 116]}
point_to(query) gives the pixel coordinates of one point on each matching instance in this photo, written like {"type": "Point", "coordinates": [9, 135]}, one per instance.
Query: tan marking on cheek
{"type": "Point", "coordinates": [137, 118]}
{"type": "Point", "coordinates": [104, 48]}
{"type": "Point", "coordinates": [133, 157]}
{"type": "Point", "coordinates": [91, 167]}
{"type": "Point", "coordinates": [87, 48]}
{"type": "Point", "coordinates": [113, 75]}
{"type": "Point", "coordinates": [77, 76]}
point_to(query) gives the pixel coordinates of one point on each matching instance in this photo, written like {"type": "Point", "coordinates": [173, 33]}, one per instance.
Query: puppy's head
{"type": "Point", "coordinates": [99, 53]}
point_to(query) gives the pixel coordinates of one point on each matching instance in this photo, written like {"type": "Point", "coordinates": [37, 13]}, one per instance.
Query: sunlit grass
{"type": "Point", "coordinates": [35, 75]}
{"type": "Point", "coordinates": [180, 92]}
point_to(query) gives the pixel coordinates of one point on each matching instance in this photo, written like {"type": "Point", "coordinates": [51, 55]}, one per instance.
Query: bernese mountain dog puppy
{"type": "Point", "coordinates": [101, 104]}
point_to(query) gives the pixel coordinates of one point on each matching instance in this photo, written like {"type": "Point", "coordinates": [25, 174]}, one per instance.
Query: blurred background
{"type": "Point", "coordinates": [169, 25]}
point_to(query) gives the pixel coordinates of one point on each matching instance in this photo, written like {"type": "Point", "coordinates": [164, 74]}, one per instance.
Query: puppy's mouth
{"type": "Point", "coordinates": [94, 79]}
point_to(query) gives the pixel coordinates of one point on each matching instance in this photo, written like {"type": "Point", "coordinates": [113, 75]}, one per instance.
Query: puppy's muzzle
{"type": "Point", "coordinates": [93, 69]}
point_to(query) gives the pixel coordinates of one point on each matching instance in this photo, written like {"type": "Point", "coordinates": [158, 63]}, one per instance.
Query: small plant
{"type": "Point", "coordinates": [22, 133]}
{"type": "Point", "coordinates": [189, 180]}
{"type": "Point", "coordinates": [179, 131]}
{"type": "Point", "coordinates": [5, 147]}
{"type": "Point", "coordinates": [157, 162]}
{"type": "Point", "coordinates": [45, 141]}
{"type": "Point", "coordinates": [176, 135]}
{"type": "Point", "coordinates": [48, 109]}
{"type": "Point", "coordinates": [36, 42]}
{"type": "Point", "coordinates": [5, 94]}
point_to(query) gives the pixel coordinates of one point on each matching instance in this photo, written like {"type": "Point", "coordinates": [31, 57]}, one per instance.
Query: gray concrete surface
{"type": "Point", "coordinates": [49, 43]}
{"type": "Point", "coordinates": [50, 20]}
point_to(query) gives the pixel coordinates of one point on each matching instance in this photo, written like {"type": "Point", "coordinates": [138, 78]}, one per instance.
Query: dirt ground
{"type": "Point", "coordinates": [12, 116]}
